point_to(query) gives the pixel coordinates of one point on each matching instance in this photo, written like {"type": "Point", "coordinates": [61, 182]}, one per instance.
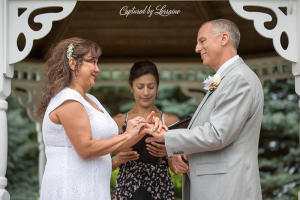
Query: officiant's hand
{"type": "Point", "coordinates": [157, 150]}
{"type": "Point", "coordinates": [178, 164]}
{"type": "Point", "coordinates": [124, 156]}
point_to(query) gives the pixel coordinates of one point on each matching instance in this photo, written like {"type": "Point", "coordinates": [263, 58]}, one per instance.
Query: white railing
{"type": "Point", "coordinates": [113, 74]}
{"type": "Point", "coordinates": [189, 75]}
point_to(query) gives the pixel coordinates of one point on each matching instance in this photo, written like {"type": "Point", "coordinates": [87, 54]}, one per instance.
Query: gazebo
{"type": "Point", "coordinates": [29, 28]}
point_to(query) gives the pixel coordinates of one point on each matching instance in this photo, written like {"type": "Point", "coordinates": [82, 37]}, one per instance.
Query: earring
{"type": "Point", "coordinates": [75, 76]}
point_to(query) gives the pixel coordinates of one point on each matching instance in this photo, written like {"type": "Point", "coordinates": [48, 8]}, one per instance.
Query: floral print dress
{"type": "Point", "coordinates": [141, 181]}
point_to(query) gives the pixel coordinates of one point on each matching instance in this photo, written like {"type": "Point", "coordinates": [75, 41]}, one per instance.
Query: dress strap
{"type": "Point", "coordinates": [163, 118]}
{"type": "Point", "coordinates": [126, 116]}
{"type": "Point", "coordinates": [64, 95]}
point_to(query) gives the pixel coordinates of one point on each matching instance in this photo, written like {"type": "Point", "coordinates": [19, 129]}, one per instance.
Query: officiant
{"type": "Point", "coordinates": [144, 172]}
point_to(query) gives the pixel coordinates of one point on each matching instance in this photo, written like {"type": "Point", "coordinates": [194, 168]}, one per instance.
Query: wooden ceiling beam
{"type": "Point", "coordinates": [138, 23]}
{"type": "Point", "coordinates": [140, 41]}
{"type": "Point", "coordinates": [204, 11]}
{"type": "Point", "coordinates": [136, 32]}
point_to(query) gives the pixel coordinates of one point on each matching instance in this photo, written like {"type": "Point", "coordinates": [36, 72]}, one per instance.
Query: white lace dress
{"type": "Point", "coordinates": [67, 176]}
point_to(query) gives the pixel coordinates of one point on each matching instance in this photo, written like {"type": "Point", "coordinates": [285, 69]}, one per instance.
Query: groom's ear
{"type": "Point", "coordinates": [224, 39]}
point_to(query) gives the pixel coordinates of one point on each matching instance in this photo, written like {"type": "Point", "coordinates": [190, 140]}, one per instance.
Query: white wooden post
{"type": "Point", "coordinates": [4, 92]}
{"type": "Point", "coordinates": [42, 156]}
{"type": "Point", "coordinates": [3, 145]}
{"type": "Point", "coordinates": [3, 148]}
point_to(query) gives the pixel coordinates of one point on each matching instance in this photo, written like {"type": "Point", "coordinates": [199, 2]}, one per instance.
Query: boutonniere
{"type": "Point", "coordinates": [212, 83]}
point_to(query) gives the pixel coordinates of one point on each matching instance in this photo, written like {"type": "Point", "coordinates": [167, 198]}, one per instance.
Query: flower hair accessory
{"type": "Point", "coordinates": [212, 83]}
{"type": "Point", "coordinates": [70, 51]}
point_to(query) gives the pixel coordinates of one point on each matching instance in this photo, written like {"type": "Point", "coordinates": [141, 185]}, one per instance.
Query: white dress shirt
{"type": "Point", "coordinates": [226, 64]}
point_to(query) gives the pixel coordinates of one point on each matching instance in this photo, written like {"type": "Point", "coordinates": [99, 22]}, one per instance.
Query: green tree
{"type": "Point", "coordinates": [279, 152]}
{"type": "Point", "coordinates": [22, 162]}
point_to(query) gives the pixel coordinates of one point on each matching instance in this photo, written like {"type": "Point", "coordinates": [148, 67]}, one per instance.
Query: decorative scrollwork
{"type": "Point", "coordinates": [28, 97]}
{"type": "Point", "coordinates": [27, 86]}
{"type": "Point", "coordinates": [285, 23]}
{"type": "Point", "coordinates": [19, 24]}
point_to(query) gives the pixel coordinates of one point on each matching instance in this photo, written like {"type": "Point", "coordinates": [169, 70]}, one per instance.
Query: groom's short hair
{"type": "Point", "coordinates": [226, 26]}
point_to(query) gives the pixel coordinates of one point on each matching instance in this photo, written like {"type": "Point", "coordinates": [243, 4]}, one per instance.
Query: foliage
{"type": "Point", "coordinates": [113, 180]}
{"type": "Point", "coordinates": [279, 152]}
{"type": "Point", "coordinates": [177, 182]}
{"type": "Point", "coordinates": [22, 161]}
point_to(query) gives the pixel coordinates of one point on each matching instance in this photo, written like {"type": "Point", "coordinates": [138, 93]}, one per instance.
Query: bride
{"type": "Point", "coordinates": [78, 132]}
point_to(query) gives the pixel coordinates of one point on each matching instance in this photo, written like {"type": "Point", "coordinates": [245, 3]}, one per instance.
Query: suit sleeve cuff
{"type": "Point", "coordinates": [172, 149]}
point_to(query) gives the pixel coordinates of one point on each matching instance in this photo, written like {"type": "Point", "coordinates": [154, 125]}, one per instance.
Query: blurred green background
{"type": "Point", "coordinates": [279, 152]}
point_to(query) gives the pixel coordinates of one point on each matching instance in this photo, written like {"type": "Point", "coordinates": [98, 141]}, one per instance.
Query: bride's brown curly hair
{"type": "Point", "coordinates": [57, 71]}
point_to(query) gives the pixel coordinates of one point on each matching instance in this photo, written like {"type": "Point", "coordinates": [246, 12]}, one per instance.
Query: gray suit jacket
{"type": "Point", "coordinates": [222, 139]}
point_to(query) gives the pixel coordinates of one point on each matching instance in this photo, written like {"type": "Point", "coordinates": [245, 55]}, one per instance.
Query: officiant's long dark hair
{"type": "Point", "coordinates": [143, 68]}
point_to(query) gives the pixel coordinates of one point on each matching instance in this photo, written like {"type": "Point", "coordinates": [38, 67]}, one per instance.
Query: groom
{"type": "Point", "coordinates": [221, 142]}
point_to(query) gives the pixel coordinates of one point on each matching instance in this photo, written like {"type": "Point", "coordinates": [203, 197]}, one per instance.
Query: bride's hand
{"type": "Point", "coordinates": [135, 126]}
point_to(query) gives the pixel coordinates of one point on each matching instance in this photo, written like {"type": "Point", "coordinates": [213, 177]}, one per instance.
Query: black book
{"type": "Point", "coordinates": [140, 147]}
{"type": "Point", "coordinates": [145, 156]}
{"type": "Point", "coordinates": [184, 123]}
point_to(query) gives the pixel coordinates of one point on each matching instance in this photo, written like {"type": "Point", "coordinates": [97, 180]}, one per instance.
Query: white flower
{"type": "Point", "coordinates": [212, 83]}
{"type": "Point", "coordinates": [216, 79]}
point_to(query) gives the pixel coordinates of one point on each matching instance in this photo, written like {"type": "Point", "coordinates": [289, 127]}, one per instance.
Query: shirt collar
{"type": "Point", "coordinates": [226, 64]}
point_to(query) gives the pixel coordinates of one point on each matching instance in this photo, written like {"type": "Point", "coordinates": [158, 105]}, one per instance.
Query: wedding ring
{"type": "Point", "coordinates": [174, 166]}
{"type": "Point", "coordinates": [139, 121]}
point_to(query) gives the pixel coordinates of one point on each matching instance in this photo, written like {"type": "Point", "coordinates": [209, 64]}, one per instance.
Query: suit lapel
{"type": "Point", "coordinates": [239, 61]}
{"type": "Point", "coordinates": [199, 108]}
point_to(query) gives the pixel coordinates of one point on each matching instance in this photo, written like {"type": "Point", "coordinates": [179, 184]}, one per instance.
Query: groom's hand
{"type": "Point", "coordinates": [178, 164]}
{"type": "Point", "coordinates": [156, 121]}
{"type": "Point", "coordinates": [157, 137]}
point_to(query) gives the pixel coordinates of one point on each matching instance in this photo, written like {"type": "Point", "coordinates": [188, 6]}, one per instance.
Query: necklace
{"type": "Point", "coordinates": [79, 92]}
